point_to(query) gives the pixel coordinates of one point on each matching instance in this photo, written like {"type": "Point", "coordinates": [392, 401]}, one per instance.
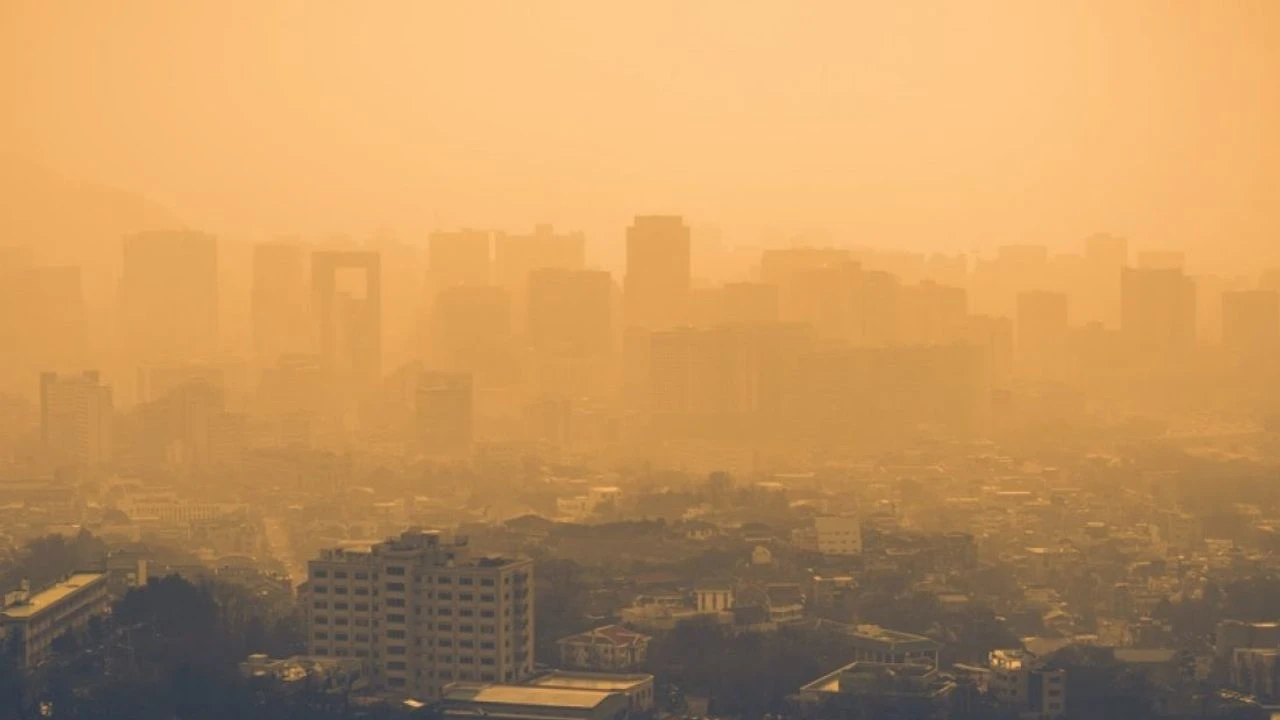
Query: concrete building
{"type": "Point", "coordinates": [838, 535]}
{"type": "Point", "coordinates": [75, 417]}
{"type": "Point", "coordinates": [422, 613]}
{"type": "Point", "coordinates": [713, 598]}
{"type": "Point", "coordinates": [33, 622]}
{"type": "Point", "coordinates": [637, 687]}
{"type": "Point", "coordinates": [1024, 686]}
{"type": "Point", "coordinates": [658, 272]}
{"type": "Point", "coordinates": [522, 702]}
{"type": "Point", "coordinates": [444, 403]}
{"type": "Point", "coordinates": [346, 291]}
{"type": "Point", "coordinates": [1158, 316]}
{"type": "Point", "coordinates": [873, 643]}
{"type": "Point", "coordinates": [608, 648]}
{"type": "Point", "coordinates": [879, 689]}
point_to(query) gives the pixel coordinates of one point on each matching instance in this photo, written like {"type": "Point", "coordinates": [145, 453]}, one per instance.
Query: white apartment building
{"type": "Point", "coordinates": [35, 621]}
{"type": "Point", "coordinates": [422, 613]}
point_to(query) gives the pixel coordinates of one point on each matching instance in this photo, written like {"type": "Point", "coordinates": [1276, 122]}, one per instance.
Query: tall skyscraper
{"type": "Point", "coordinates": [75, 417]}
{"type": "Point", "coordinates": [281, 324]}
{"type": "Point", "coordinates": [1158, 316]}
{"type": "Point", "coordinates": [347, 305]}
{"type": "Point", "coordinates": [423, 612]}
{"type": "Point", "coordinates": [1042, 334]}
{"type": "Point", "coordinates": [169, 297]}
{"type": "Point", "coordinates": [1251, 322]}
{"type": "Point", "coordinates": [658, 272]}
{"type": "Point", "coordinates": [444, 406]}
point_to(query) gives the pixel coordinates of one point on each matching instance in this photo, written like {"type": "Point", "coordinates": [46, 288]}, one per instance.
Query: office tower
{"type": "Point", "coordinates": [878, 312]}
{"type": "Point", "coordinates": [994, 335]}
{"type": "Point", "coordinates": [292, 398]}
{"type": "Point", "coordinates": [869, 396]}
{"type": "Point", "coordinates": [824, 298]}
{"type": "Point", "coordinates": [1042, 334]}
{"type": "Point", "coordinates": [705, 372]}
{"type": "Point", "coordinates": [75, 417]}
{"type": "Point", "coordinates": [570, 312]}
{"type": "Point", "coordinates": [658, 272]}
{"type": "Point", "coordinates": [515, 256]}
{"type": "Point", "coordinates": [1158, 314]}
{"type": "Point", "coordinates": [280, 301]}
{"type": "Point", "coordinates": [784, 267]}
{"type": "Point", "coordinates": [932, 314]}
{"type": "Point", "coordinates": [471, 331]}
{"type": "Point", "coordinates": [748, 303]}
{"type": "Point", "coordinates": [458, 258]}
{"type": "Point", "coordinates": [423, 613]}
{"type": "Point", "coordinates": [1251, 322]}
{"type": "Point", "coordinates": [181, 427]}
{"type": "Point", "coordinates": [444, 402]}
{"type": "Point", "coordinates": [346, 291]}
{"type": "Point", "coordinates": [169, 297]}
{"type": "Point", "coordinates": [997, 282]}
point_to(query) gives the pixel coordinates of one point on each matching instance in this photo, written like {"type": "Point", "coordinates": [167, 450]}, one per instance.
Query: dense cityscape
{"type": "Point", "coordinates": [660, 360]}
{"type": "Point", "coordinates": [851, 483]}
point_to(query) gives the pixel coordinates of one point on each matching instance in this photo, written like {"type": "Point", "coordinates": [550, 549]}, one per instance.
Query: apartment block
{"type": "Point", "coordinates": [422, 613]}
{"type": "Point", "coordinates": [34, 621]}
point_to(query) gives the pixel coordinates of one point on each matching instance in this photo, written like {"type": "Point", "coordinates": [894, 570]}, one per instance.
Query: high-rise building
{"type": "Point", "coordinates": [515, 256]}
{"type": "Point", "coordinates": [1158, 316]}
{"type": "Point", "coordinates": [75, 417]}
{"type": "Point", "coordinates": [749, 303]}
{"type": "Point", "coordinates": [658, 272]}
{"type": "Point", "coordinates": [281, 325]}
{"type": "Point", "coordinates": [471, 332]}
{"type": "Point", "coordinates": [459, 258]}
{"type": "Point", "coordinates": [570, 312]}
{"type": "Point", "coordinates": [347, 306]}
{"type": "Point", "coordinates": [169, 297]}
{"type": "Point", "coordinates": [995, 337]}
{"type": "Point", "coordinates": [1042, 334]}
{"type": "Point", "coordinates": [1251, 322]}
{"type": "Point", "coordinates": [423, 613]}
{"type": "Point", "coordinates": [444, 406]}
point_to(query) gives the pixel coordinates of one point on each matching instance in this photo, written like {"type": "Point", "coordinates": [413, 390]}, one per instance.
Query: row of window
{"type": "Point", "coordinates": [400, 635]}
{"type": "Point", "coordinates": [401, 571]}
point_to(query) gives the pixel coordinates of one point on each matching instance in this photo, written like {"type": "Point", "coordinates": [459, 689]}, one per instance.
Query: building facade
{"type": "Point", "coordinates": [422, 613]}
{"type": "Point", "coordinates": [33, 622]}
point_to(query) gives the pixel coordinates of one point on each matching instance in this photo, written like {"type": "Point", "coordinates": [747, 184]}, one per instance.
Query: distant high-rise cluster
{"type": "Point", "coordinates": [492, 344]}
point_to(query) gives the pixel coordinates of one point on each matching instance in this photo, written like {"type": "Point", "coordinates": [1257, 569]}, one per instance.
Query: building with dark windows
{"type": "Point", "coordinates": [422, 613]}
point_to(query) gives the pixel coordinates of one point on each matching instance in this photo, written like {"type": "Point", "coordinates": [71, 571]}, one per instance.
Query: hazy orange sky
{"type": "Point", "coordinates": [926, 124]}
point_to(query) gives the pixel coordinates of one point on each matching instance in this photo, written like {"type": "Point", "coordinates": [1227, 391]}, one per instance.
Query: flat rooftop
{"type": "Point", "coordinates": [604, 682]}
{"type": "Point", "coordinates": [525, 695]}
{"type": "Point", "coordinates": [45, 599]}
{"type": "Point", "coordinates": [875, 632]}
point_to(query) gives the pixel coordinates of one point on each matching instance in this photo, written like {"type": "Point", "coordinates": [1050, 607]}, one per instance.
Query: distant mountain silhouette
{"type": "Point", "coordinates": [68, 221]}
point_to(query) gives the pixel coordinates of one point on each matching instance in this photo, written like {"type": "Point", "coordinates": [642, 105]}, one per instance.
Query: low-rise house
{"type": "Point", "coordinates": [607, 648]}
